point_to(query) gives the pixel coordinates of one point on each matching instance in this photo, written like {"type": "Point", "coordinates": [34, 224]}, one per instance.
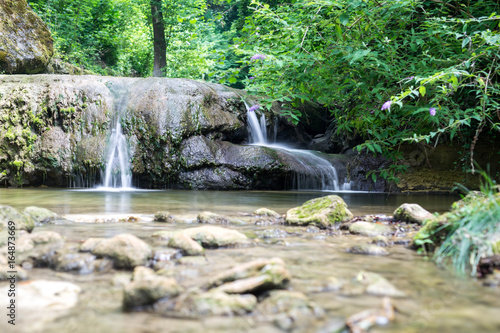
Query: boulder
{"type": "Point", "coordinates": [370, 229]}
{"type": "Point", "coordinates": [90, 244]}
{"type": "Point", "coordinates": [41, 215]}
{"type": "Point", "coordinates": [26, 45]}
{"type": "Point", "coordinates": [38, 249]}
{"type": "Point", "coordinates": [412, 213]}
{"type": "Point", "coordinates": [322, 212]}
{"type": "Point", "coordinates": [213, 218]}
{"type": "Point", "coordinates": [82, 263]}
{"type": "Point", "coordinates": [266, 212]}
{"type": "Point", "coordinates": [186, 244]}
{"type": "Point", "coordinates": [214, 303]}
{"type": "Point", "coordinates": [215, 237]}
{"type": "Point", "coordinates": [164, 217]}
{"type": "Point", "coordinates": [147, 288]}
{"type": "Point", "coordinates": [21, 221]}
{"type": "Point", "coordinates": [125, 250]}
{"type": "Point", "coordinates": [468, 199]}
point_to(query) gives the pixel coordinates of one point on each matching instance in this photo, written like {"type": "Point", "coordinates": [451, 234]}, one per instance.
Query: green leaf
{"type": "Point", "coordinates": [422, 90]}
{"type": "Point", "coordinates": [232, 79]}
{"type": "Point", "coordinates": [193, 21]}
{"type": "Point", "coordinates": [344, 19]}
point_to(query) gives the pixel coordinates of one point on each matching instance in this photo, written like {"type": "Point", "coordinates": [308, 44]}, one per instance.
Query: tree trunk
{"type": "Point", "coordinates": [159, 43]}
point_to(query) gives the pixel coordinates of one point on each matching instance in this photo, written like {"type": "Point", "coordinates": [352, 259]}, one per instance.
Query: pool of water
{"type": "Point", "coordinates": [64, 201]}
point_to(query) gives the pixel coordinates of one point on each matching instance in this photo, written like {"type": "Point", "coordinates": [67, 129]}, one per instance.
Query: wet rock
{"type": "Point", "coordinates": [126, 251]}
{"type": "Point", "coordinates": [289, 310]}
{"type": "Point", "coordinates": [266, 212]}
{"type": "Point", "coordinates": [214, 303]}
{"type": "Point", "coordinates": [376, 284]}
{"type": "Point", "coordinates": [468, 199]}
{"type": "Point", "coordinates": [412, 213]}
{"type": "Point", "coordinates": [368, 249]}
{"type": "Point", "coordinates": [21, 274]}
{"type": "Point", "coordinates": [370, 229]}
{"type": "Point", "coordinates": [363, 321]}
{"type": "Point", "coordinates": [42, 301]}
{"type": "Point", "coordinates": [41, 215]}
{"type": "Point", "coordinates": [215, 237]}
{"type": "Point", "coordinates": [381, 241]}
{"type": "Point", "coordinates": [164, 217]}
{"type": "Point", "coordinates": [186, 244]}
{"type": "Point", "coordinates": [82, 263]}
{"type": "Point", "coordinates": [274, 233]}
{"type": "Point", "coordinates": [322, 212]}
{"type": "Point", "coordinates": [316, 286]}
{"type": "Point", "coordinates": [90, 244]}
{"type": "Point", "coordinates": [21, 221]}
{"type": "Point", "coordinates": [26, 45]}
{"type": "Point", "coordinates": [147, 288]}
{"type": "Point", "coordinates": [193, 261]}
{"type": "Point", "coordinates": [39, 248]}
{"type": "Point", "coordinates": [213, 218]}
{"type": "Point", "coordinates": [256, 276]}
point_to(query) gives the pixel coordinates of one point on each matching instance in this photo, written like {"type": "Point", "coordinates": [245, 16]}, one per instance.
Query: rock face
{"type": "Point", "coordinates": [322, 212]}
{"type": "Point", "coordinates": [26, 44]}
{"type": "Point", "coordinates": [181, 134]}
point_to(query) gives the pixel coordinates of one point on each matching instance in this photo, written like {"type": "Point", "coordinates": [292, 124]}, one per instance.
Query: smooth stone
{"type": "Point", "coordinates": [377, 285]}
{"type": "Point", "coordinates": [164, 217]}
{"type": "Point", "coordinates": [21, 221]}
{"type": "Point", "coordinates": [213, 218]}
{"type": "Point", "coordinates": [41, 215]}
{"type": "Point", "coordinates": [412, 213]}
{"type": "Point", "coordinates": [381, 241]}
{"type": "Point", "coordinates": [21, 274]}
{"type": "Point", "coordinates": [214, 237]}
{"type": "Point", "coordinates": [368, 249]}
{"type": "Point", "coordinates": [186, 244]}
{"type": "Point", "coordinates": [322, 212]}
{"type": "Point", "coordinates": [126, 250]}
{"type": "Point", "coordinates": [82, 263]}
{"type": "Point", "coordinates": [370, 229]}
{"type": "Point", "coordinates": [90, 244]}
{"type": "Point", "coordinates": [147, 288]}
{"type": "Point", "coordinates": [38, 248]}
{"type": "Point", "coordinates": [214, 303]}
{"type": "Point", "coordinates": [266, 212]}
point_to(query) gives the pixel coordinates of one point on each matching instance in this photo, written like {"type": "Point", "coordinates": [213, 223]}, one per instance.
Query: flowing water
{"type": "Point", "coordinates": [315, 173]}
{"type": "Point", "coordinates": [437, 301]}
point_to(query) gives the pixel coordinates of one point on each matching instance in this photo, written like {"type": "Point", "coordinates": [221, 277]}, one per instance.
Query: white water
{"type": "Point", "coordinates": [317, 173]}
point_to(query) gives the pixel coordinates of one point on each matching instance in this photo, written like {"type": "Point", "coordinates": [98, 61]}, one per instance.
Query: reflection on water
{"type": "Point", "coordinates": [64, 201]}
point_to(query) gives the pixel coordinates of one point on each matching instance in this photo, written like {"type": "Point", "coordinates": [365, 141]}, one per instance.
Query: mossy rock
{"type": "Point", "coordinates": [468, 199]}
{"type": "Point", "coordinates": [412, 213]}
{"type": "Point", "coordinates": [41, 215]}
{"type": "Point", "coordinates": [322, 212]}
{"type": "Point", "coordinates": [21, 221]}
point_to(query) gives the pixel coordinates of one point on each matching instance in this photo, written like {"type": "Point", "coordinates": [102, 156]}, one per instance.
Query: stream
{"type": "Point", "coordinates": [437, 299]}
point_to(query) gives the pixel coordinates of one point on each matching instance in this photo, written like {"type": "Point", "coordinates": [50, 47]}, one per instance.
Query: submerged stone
{"type": "Point", "coordinates": [214, 303]}
{"type": "Point", "coordinates": [412, 213]}
{"type": "Point", "coordinates": [21, 221]}
{"type": "Point", "coordinates": [370, 229]}
{"type": "Point", "coordinates": [126, 250]}
{"type": "Point", "coordinates": [368, 249]}
{"type": "Point", "coordinates": [322, 212]}
{"type": "Point", "coordinates": [214, 237]}
{"type": "Point", "coordinates": [376, 284]}
{"type": "Point", "coordinates": [266, 212]}
{"type": "Point", "coordinates": [41, 215]}
{"type": "Point", "coordinates": [213, 218]}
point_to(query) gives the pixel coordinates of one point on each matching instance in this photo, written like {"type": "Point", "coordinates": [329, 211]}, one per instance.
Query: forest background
{"type": "Point", "coordinates": [388, 72]}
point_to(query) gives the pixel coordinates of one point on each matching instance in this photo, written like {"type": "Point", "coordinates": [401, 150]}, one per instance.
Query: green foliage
{"type": "Point", "coordinates": [469, 232]}
{"type": "Point", "coordinates": [353, 56]}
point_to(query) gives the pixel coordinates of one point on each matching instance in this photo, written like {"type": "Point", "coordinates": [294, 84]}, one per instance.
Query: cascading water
{"type": "Point", "coordinates": [118, 175]}
{"type": "Point", "coordinates": [316, 172]}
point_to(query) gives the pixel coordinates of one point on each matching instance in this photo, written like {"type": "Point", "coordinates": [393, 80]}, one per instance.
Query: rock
{"type": "Point", "coordinates": [39, 248]}
{"type": "Point", "coordinates": [90, 244]}
{"type": "Point", "coordinates": [42, 301]}
{"type": "Point", "coordinates": [215, 237]}
{"type": "Point", "coordinates": [126, 251]}
{"type": "Point", "coordinates": [322, 212]}
{"type": "Point", "coordinates": [370, 229]}
{"type": "Point", "coordinates": [266, 212]}
{"type": "Point", "coordinates": [214, 303]}
{"type": "Point", "coordinates": [41, 215]}
{"type": "Point", "coordinates": [164, 217]}
{"type": "Point", "coordinates": [26, 44]}
{"type": "Point", "coordinates": [376, 284]}
{"type": "Point", "coordinates": [381, 241]}
{"type": "Point", "coordinates": [363, 321]}
{"type": "Point", "coordinates": [21, 221]}
{"type": "Point", "coordinates": [274, 233]}
{"type": "Point", "coordinates": [468, 199]}
{"type": "Point", "coordinates": [82, 263]}
{"type": "Point", "coordinates": [289, 310]}
{"type": "Point", "coordinates": [369, 249]}
{"type": "Point", "coordinates": [412, 213]}
{"type": "Point", "coordinates": [21, 274]}
{"type": "Point", "coordinates": [147, 288]}
{"type": "Point", "coordinates": [186, 244]}
{"type": "Point", "coordinates": [212, 218]}
{"type": "Point", "coordinates": [256, 276]}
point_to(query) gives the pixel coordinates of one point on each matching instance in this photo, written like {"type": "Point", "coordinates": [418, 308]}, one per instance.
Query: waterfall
{"type": "Point", "coordinates": [316, 172]}
{"type": "Point", "coordinates": [118, 174]}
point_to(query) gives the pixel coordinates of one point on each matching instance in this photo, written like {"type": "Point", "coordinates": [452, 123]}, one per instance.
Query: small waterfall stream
{"type": "Point", "coordinates": [317, 173]}
{"type": "Point", "coordinates": [118, 174]}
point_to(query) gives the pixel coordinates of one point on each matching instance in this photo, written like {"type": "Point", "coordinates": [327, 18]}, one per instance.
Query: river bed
{"type": "Point", "coordinates": [437, 300]}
